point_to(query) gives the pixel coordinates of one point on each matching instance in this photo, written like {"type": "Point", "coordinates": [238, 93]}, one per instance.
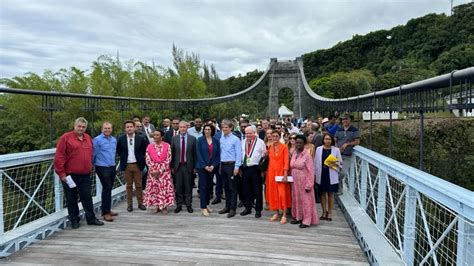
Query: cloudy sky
{"type": "Point", "coordinates": [235, 36]}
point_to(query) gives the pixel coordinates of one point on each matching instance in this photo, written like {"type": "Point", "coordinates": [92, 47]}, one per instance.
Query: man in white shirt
{"type": "Point", "coordinates": [253, 149]}
{"type": "Point", "coordinates": [148, 128]}
{"type": "Point", "coordinates": [196, 130]}
{"type": "Point", "coordinates": [291, 128]}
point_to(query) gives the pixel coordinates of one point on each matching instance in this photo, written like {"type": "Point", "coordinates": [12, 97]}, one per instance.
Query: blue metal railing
{"type": "Point", "coordinates": [32, 204]}
{"type": "Point", "coordinates": [426, 220]}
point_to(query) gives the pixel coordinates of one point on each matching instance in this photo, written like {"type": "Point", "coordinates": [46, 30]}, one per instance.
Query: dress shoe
{"type": "Point", "coordinates": [304, 225]}
{"type": "Point", "coordinates": [246, 212]}
{"type": "Point", "coordinates": [258, 214]}
{"type": "Point", "coordinates": [178, 209]}
{"type": "Point", "coordinates": [241, 204]}
{"type": "Point", "coordinates": [217, 200]}
{"type": "Point", "coordinates": [108, 217]}
{"type": "Point", "coordinates": [231, 213]}
{"type": "Point", "coordinates": [95, 222]}
{"type": "Point", "coordinates": [113, 213]}
{"type": "Point", "coordinates": [205, 213]}
{"type": "Point", "coordinates": [130, 209]}
{"type": "Point", "coordinates": [75, 224]}
{"type": "Point", "coordinates": [295, 222]}
{"type": "Point", "coordinates": [225, 210]}
{"type": "Point", "coordinates": [190, 209]}
{"type": "Point", "coordinates": [142, 207]}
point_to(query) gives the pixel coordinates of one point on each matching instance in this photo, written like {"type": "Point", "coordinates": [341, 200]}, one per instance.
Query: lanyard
{"type": "Point", "coordinates": [249, 153]}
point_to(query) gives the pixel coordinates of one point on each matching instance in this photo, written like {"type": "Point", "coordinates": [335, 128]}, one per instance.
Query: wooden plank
{"type": "Point", "coordinates": [150, 238]}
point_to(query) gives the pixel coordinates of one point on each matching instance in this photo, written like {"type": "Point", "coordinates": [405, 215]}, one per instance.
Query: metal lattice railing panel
{"type": "Point", "coordinates": [28, 193]}
{"type": "Point", "coordinates": [426, 220]}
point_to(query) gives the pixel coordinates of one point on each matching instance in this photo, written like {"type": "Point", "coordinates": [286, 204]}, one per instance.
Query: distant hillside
{"type": "Point", "coordinates": [426, 46]}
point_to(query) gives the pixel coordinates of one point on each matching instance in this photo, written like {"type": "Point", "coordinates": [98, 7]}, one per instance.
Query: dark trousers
{"type": "Point", "coordinates": [205, 187]}
{"type": "Point", "coordinates": [230, 185]}
{"type": "Point", "coordinates": [83, 190]}
{"type": "Point", "coordinates": [252, 187]}
{"type": "Point", "coordinates": [218, 190]}
{"type": "Point", "coordinates": [184, 185]}
{"type": "Point", "coordinates": [107, 179]}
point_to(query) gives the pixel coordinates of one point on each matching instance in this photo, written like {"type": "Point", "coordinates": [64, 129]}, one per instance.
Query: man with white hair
{"type": "Point", "coordinates": [73, 165]}
{"type": "Point", "coordinates": [253, 149]}
{"type": "Point", "coordinates": [183, 160]}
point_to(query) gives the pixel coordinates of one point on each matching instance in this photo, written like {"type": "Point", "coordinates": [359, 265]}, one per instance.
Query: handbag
{"type": "Point", "coordinates": [263, 163]}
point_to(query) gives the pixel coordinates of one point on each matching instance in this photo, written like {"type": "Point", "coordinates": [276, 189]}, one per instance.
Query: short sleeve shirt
{"type": "Point", "coordinates": [344, 136]}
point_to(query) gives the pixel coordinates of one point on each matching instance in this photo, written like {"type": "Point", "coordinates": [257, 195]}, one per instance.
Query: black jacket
{"type": "Point", "coordinates": [141, 143]}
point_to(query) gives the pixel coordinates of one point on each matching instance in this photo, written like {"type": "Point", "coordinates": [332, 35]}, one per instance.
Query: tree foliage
{"type": "Point", "coordinates": [430, 45]}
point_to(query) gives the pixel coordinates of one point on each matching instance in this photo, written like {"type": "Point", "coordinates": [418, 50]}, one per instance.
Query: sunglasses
{"type": "Point", "coordinates": [292, 138]}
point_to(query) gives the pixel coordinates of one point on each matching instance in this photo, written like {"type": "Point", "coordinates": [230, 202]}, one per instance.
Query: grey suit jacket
{"type": "Point", "coordinates": [190, 152]}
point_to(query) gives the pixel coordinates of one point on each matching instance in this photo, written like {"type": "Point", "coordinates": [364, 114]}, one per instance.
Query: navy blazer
{"type": "Point", "coordinates": [203, 153]}
{"type": "Point", "coordinates": [141, 143]}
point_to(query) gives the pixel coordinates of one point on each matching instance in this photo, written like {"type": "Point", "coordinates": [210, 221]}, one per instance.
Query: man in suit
{"type": "Point", "coordinates": [166, 125]}
{"type": "Point", "coordinates": [183, 149]}
{"type": "Point", "coordinates": [173, 131]}
{"type": "Point", "coordinates": [131, 148]}
{"type": "Point", "coordinates": [148, 128]}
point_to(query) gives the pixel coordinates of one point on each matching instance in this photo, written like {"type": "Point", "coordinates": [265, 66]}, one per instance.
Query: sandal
{"type": "Point", "coordinates": [275, 217]}
{"type": "Point", "coordinates": [327, 217]}
{"type": "Point", "coordinates": [323, 216]}
{"type": "Point", "coordinates": [283, 220]}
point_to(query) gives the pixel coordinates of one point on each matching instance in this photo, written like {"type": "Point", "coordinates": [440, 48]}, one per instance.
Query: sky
{"type": "Point", "coordinates": [236, 36]}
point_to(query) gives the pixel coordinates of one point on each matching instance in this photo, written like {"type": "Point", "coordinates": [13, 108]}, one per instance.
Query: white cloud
{"type": "Point", "coordinates": [235, 36]}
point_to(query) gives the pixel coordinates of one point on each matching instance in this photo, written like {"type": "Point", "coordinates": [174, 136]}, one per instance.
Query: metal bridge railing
{"type": "Point", "coordinates": [32, 204]}
{"type": "Point", "coordinates": [426, 220]}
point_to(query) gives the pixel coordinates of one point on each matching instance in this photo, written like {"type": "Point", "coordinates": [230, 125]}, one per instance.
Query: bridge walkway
{"type": "Point", "coordinates": [144, 237]}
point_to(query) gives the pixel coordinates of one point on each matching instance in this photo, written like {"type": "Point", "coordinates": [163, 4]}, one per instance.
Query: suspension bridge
{"type": "Point", "coordinates": [390, 213]}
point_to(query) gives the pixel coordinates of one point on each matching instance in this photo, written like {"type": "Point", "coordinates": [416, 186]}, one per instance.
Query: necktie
{"type": "Point", "coordinates": [175, 132]}
{"type": "Point", "coordinates": [183, 150]}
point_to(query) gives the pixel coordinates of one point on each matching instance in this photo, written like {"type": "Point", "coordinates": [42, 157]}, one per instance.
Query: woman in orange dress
{"type": "Point", "coordinates": [278, 194]}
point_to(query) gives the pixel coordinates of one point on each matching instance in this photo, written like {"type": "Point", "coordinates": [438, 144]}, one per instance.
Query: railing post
{"type": "Point", "coordinates": [98, 187]}
{"type": "Point", "coordinates": [363, 184]}
{"type": "Point", "coordinates": [409, 227]}
{"type": "Point", "coordinates": [352, 173]}
{"type": "Point", "coordinates": [465, 252]}
{"type": "Point", "coordinates": [381, 191]}
{"type": "Point", "coordinates": [58, 202]}
{"type": "Point", "coordinates": [2, 226]}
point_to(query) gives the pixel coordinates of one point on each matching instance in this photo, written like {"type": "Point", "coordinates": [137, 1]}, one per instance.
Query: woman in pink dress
{"type": "Point", "coordinates": [159, 190]}
{"type": "Point", "coordinates": [303, 208]}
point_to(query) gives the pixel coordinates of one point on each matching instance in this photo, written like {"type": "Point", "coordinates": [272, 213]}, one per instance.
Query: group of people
{"type": "Point", "coordinates": [281, 164]}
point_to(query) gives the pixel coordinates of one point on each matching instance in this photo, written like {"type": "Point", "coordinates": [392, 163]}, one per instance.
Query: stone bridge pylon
{"type": "Point", "coordinates": [287, 74]}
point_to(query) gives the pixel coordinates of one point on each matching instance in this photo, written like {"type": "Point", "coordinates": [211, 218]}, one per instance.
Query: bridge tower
{"type": "Point", "coordinates": [286, 74]}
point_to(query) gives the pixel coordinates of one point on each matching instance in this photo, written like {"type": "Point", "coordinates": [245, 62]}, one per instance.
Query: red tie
{"type": "Point", "coordinates": [249, 146]}
{"type": "Point", "coordinates": [183, 149]}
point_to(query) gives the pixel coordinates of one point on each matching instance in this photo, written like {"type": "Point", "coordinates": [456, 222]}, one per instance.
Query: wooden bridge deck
{"type": "Point", "coordinates": [143, 237]}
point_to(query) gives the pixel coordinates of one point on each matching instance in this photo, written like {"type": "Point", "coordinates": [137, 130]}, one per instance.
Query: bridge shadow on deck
{"type": "Point", "coordinates": [144, 237]}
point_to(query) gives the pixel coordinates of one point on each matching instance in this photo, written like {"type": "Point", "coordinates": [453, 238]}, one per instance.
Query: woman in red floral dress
{"type": "Point", "coordinates": [159, 191]}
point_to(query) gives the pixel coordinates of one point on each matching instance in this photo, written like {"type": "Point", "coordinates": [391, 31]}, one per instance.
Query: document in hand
{"type": "Point", "coordinates": [70, 182]}
{"type": "Point", "coordinates": [331, 161]}
{"type": "Point", "coordinates": [279, 178]}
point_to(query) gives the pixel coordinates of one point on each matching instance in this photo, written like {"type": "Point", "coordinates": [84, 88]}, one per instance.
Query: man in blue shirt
{"type": "Point", "coordinates": [105, 146]}
{"type": "Point", "coordinates": [231, 158]}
